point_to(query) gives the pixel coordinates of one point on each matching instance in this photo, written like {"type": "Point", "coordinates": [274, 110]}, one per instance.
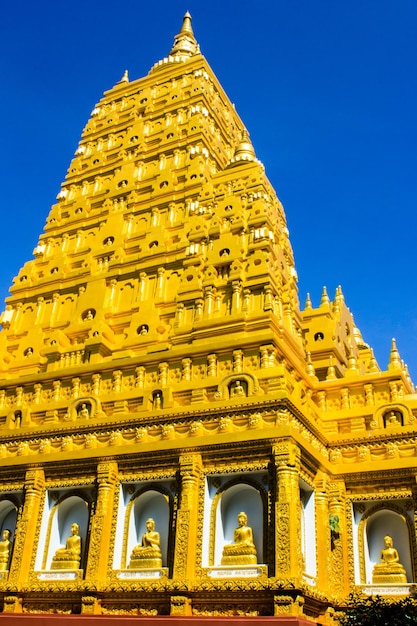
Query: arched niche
{"type": "Point", "coordinates": [248, 382]}
{"type": "Point", "coordinates": [236, 498]}
{"type": "Point", "coordinates": [8, 515]}
{"type": "Point", "coordinates": [69, 510]}
{"type": "Point", "coordinates": [374, 527]}
{"type": "Point", "coordinates": [84, 408]}
{"type": "Point", "coordinates": [147, 504]}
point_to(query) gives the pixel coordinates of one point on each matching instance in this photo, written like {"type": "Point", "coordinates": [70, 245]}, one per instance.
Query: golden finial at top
{"type": "Point", "coordinates": [185, 43]}
{"type": "Point", "coordinates": [394, 357]}
{"type": "Point", "coordinates": [325, 300]}
{"type": "Point", "coordinates": [125, 77]}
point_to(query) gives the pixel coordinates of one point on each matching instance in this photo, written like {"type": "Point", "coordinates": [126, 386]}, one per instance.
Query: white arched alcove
{"type": "Point", "coordinates": [238, 498]}
{"type": "Point", "coordinates": [386, 522]}
{"type": "Point", "coordinates": [8, 515]}
{"type": "Point", "coordinates": [149, 504]}
{"type": "Point", "coordinates": [70, 510]}
{"type": "Point", "coordinates": [308, 529]}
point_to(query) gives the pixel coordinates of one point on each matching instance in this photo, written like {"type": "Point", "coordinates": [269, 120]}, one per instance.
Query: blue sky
{"type": "Point", "coordinates": [326, 88]}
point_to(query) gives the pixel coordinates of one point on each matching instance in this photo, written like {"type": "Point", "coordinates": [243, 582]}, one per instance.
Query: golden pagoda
{"type": "Point", "coordinates": [178, 438]}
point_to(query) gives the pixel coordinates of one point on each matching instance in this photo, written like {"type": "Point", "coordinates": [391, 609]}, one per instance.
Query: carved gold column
{"type": "Point", "coordinates": [288, 554]}
{"type": "Point", "coordinates": [27, 526]}
{"type": "Point", "coordinates": [322, 530]}
{"type": "Point", "coordinates": [187, 517]}
{"type": "Point", "coordinates": [102, 522]}
{"type": "Point", "coordinates": [339, 558]}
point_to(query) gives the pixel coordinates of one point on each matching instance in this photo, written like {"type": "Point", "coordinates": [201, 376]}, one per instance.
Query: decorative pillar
{"type": "Point", "coordinates": [142, 285]}
{"type": "Point", "coordinates": [267, 353]}
{"type": "Point", "coordinates": [27, 526]}
{"type": "Point", "coordinates": [237, 361]}
{"type": "Point", "coordinates": [117, 381]}
{"type": "Point", "coordinates": [199, 305]}
{"type": "Point", "coordinates": [75, 387]}
{"type": "Point", "coordinates": [288, 554]}
{"type": "Point", "coordinates": [140, 377]}
{"type": "Point", "coordinates": [187, 517]}
{"type": "Point", "coordinates": [96, 378]}
{"type": "Point", "coordinates": [344, 394]}
{"type": "Point", "coordinates": [19, 396]}
{"type": "Point", "coordinates": [160, 283]}
{"type": "Point", "coordinates": [163, 374]}
{"type": "Point", "coordinates": [236, 296]}
{"type": "Point", "coordinates": [57, 390]}
{"type": "Point", "coordinates": [339, 558]}
{"type": "Point", "coordinates": [322, 530]}
{"type": "Point", "coordinates": [268, 299]}
{"type": "Point", "coordinates": [101, 523]}
{"type": "Point", "coordinates": [179, 314]}
{"type": "Point", "coordinates": [369, 394]}
{"type": "Point", "coordinates": [246, 300]}
{"type": "Point", "coordinates": [212, 365]}
{"type": "Point", "coordinates": [209, 297]}
{"type": "Point", "coordinates": [186, 369]}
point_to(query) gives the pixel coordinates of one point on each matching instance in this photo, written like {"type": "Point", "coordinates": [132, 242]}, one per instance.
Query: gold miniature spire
{"type": "Point", "coordinates": [325, 300]}
{"type": "Point", "coordinates": [310, 367]}
{"type": "Point", "coordinates": [358, 338]}
{"type": "Point", "coordinates": [244, 150]}
{"type": "Point", "coordinates": [338, 300]}
{"type": "Point", "coordinates": [125, 77]}
{"type": "Point", "coordinates": [394, 357]}
{"type": "Point", "coordinates": [331, 370]}
{"type": "Point", "coordinates": [352, 362]}
{"type": "Point", "coordinates": [185, 44]}
{"type": "Point", "coordinates": [373, 365]}
{"type": "Point", "coordinates": [308, 304]}
{"type": "Point", "coordinates": [339, 293]}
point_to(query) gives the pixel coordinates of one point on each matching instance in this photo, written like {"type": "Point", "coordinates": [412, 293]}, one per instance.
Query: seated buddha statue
{"type": "Point", "coordinates": [389, 570]}
{"type": "Point", "coordinates": [148, 553]}
{"type": "Point", "coordinates": [242, 551]}
{"type": "Point", "coordinates": [5, 545]}
{"type": "Point", "coordinates": [70, 556]}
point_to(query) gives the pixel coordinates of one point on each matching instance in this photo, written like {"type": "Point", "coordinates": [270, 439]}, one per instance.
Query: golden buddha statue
{"type": "Point", "coordinates": [389, 570]}
{"type": "Point", "coordinates": [5, 546]}
{"type": "Point", "coordinates": [70, 556]}
{"type": "Point", "coordinates": [148, 554]}
{"type": "Point", "coordinates": [242, 551]}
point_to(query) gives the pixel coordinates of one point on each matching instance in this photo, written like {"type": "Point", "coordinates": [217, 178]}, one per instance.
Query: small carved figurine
{"type": "Point", "coordinates": [70, 556]}
{"type": "Point", "coordinates": [389, 570]}
{"type": "Point", "coordinates": [148, 554]}
{"type": "Point", "coordinates": [238, 389]}
{"type": "Point", "coordinates": [83, 412]}
{"type": "Point", "coordinates": [5, 545]}
{"type": "Point", "coordinates": [243, 550]}
{"type": "Point", "coordinates": [157, 401]}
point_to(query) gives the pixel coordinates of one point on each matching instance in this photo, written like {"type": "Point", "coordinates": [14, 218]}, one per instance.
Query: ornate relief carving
{"type": "Point", "coordinates": [282, 541]}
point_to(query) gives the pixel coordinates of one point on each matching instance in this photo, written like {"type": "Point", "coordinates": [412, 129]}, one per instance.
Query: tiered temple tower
{"type": "Point", "coordinates": [159, 378]}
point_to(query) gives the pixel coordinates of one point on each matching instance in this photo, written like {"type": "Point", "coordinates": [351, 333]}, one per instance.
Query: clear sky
{"type": "Point", "coordinates": [326, 88]}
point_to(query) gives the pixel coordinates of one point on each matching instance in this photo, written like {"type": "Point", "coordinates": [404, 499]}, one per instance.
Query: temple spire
{"type": "Point", "coordinates": [185, 44]}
